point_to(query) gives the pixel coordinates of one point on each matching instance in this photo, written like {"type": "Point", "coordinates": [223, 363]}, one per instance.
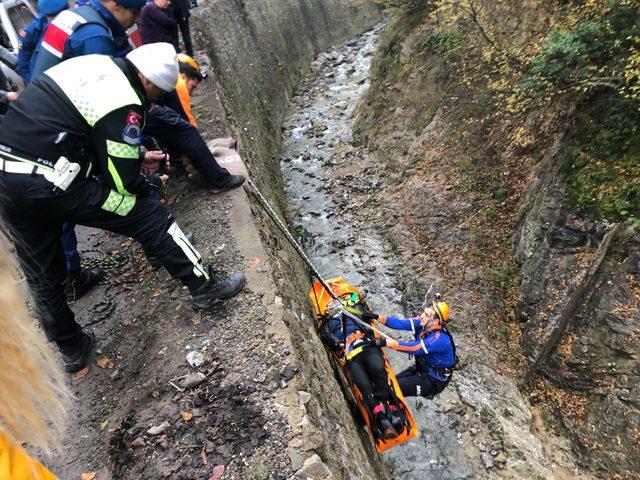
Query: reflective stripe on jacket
{"type": "Point", "coordinates": [53, 47]}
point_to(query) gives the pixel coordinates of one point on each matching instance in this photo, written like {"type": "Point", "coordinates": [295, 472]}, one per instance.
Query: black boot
{"type": "Point", "coordinates": [219, 287]}
{"type": "Point", "coordinates": [395, 417]}
{"type": "Point", "coordinates": [80, 282]}
{"type": "Point", "coordinates": [385, 426]}
{"type": "Point", "coordinates": [229, 183]}
{"type": "Point", "coordinates": [155, 261]}
{"type": "Point", "coordinates": [76, 361]}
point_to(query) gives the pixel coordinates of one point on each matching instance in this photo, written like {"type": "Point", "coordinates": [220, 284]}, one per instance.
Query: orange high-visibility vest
{"type": "Point", "coordinates": [185, 99]}
{"type": "Point", "coordinates": [16, 464]}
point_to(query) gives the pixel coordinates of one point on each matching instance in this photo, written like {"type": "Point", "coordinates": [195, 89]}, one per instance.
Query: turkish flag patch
{"type": "Point", "coordinates": [134, 118]}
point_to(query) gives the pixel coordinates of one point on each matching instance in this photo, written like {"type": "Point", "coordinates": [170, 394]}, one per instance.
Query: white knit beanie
{"type": "Point", "coordinates": [157, 62]}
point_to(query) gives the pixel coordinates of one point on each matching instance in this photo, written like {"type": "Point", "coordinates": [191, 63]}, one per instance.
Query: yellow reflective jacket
{"type": "Point", "coordinates": [15, 464]}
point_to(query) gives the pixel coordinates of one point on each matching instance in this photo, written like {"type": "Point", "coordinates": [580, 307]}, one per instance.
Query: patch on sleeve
{"type": "Point", "coordinates": [132, 130]}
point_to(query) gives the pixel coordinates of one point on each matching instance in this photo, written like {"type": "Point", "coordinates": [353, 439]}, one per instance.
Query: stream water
{"type": "Point", "coordinates": [328, 198]}
{"type": "Point", "coordinates": [480, 427]}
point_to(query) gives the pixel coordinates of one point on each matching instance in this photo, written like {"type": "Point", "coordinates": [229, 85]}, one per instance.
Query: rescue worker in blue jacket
{"type": "Point", "coordinates": [364, 361]}
{"type": "Point", "coordinates": [99, 27]}
{"type": "Point", "coordinates": [433, 348]}
{"type": "Point", "coordinates": [81, 120]}
{"type": "Point", "coordinates": [32, 34]}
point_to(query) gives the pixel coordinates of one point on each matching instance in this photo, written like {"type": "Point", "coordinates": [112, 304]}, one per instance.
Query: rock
{"type": "Point", "coordinates": [289, 372]}
{"type": "Point", "coordinates": [487, 459]}
{"type": "Point", "coordinates": [304, 397]}
{"type": "Point", "coordinates": [500, 458]}
{"type": "Point", "coordinates": [193, 380]}
{"type": "Point", "coordinates": [196, 359]}
{"type": "Point", "coordinates": [313, 467]}
{"type": "Point", "coordinates": [296, 459]}
{"type": "Point", "coordinates": [158, 429]}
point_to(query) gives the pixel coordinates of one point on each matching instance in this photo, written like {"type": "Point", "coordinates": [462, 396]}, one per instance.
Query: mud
{"type": "Point", "coordinates": [145, 327]}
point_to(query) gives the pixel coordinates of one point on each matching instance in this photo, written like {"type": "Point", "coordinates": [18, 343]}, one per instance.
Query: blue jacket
{"type": "Point", "coordinates": [91, 38]}
{"type": "Point", "coordinates": [434, 352]}
{"type": "Point", "coordinates": [332, 333]}
{"type": "Point", "coordinates": [30, 40]}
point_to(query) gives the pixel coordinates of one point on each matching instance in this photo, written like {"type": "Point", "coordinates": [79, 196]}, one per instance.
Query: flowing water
{"type": "Point", "coordinates": [319, 165]}
{"type": "Point", "coordinates": [480, 426]}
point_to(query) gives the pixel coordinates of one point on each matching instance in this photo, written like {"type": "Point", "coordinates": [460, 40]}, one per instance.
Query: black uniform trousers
{"type": "Point", "coordinates": [185, 30]}
{"type": "Point", "coordinates": [182, 138]}
{"type": "Point", "coordinates": [35, 215]}
{"type": "Point", "coordinates": [368, 373]}
{"type": "Point", "coordinates": [415, 384]}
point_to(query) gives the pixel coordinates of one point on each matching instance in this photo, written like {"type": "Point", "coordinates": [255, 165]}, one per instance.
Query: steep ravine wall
{"type": "Point", "coordinates": [259, 50]}
{"type": "Point", "coordinates": [596, 364]}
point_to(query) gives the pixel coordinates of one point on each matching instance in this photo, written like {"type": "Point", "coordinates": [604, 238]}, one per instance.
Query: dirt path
{"type": "Point", "coordinates": [353, 217]}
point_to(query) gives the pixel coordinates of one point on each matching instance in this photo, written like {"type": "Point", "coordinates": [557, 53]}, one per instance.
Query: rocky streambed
{"type": "Point", "coordinates": [481, 426]}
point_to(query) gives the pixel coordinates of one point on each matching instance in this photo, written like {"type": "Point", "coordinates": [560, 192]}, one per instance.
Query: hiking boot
{"type": "Point", "coordinates": [77, 361]}
{"type": "Point", "coordinates": [395, 418]}
{"type": "Point", "coordinates": [229, 183]}
{"type": "Point", "coordinates": [385, 426]}
{"type": "Point", "coordinates": [80, 282]}
{"type": "Point", "coordinates": [155, 261]}
{"type": "Point", "coordinates": [219, 287]}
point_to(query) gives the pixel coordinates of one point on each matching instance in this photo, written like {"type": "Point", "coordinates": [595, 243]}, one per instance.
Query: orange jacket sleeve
{"type": "Point", "coordinates": [15, 464]}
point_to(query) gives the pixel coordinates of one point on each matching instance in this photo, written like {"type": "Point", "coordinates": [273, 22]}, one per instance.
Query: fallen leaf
{"type": "Point", "coordinates": [87, 476]}
{"type": "Point", "coordinates": [115, 252]}
{"type": "Point", "coordinates": [254, 262]}
{"type": "Point", "coordinates": [81, 374]}
{"type": "Point", "coordinates": [104, 424]}
{"type": "Point", "coordinates": [218, 470]}
{"type": "Point", "coordinates": [157, 293]}
{"type": "Point", "coordinates": [104, 362]}
{"type": "Point", "coordinates": [204, 456]}
{"type": "Point", "coordinates": [186, 415]}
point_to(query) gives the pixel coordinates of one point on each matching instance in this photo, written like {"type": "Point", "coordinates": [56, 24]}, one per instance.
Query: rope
{"type": "Point", "coordinates": [283, 228]}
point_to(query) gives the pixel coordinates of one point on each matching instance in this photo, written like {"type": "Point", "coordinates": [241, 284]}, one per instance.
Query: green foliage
{"type": "Point", "coordinates": [591, 53]}
{"type": "Point", "coordinates": [502, 277]}
{"type": "Point", "coordinates": [604, 161]}
{"type": "Point", "coordinates": [443, 44]}
{"type": "Point", "coordinates": [403, 4]}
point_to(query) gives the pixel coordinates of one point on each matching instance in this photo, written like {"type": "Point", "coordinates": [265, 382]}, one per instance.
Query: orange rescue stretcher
{"type": "Point", "coordinates": [321, 300]}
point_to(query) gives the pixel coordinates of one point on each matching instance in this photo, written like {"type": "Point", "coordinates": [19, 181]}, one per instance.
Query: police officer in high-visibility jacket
{"type": "Point", "coordinates": [97, 27]}
{"type": "Point", "coordinates": [46, 179]}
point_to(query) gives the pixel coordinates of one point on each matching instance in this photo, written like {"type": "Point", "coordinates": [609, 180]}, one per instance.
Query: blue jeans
{"type": "Point", "coordinates": [70, 245]}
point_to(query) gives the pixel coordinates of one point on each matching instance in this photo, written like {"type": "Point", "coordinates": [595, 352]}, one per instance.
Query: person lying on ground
{"type": "Point", "coordinates": [433, 348]}
{"type": "Point", "coordinates": [32, 388]}
{"type": "Point", "coordinates": [70, 97]}
{"type": "Point", "coordinates": [171, 123]}
{"type": "Point", "coordinates": [364, 362]}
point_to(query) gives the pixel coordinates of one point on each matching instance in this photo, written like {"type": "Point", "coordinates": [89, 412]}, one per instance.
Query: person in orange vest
{"type": "Point", "coordinates": [173, 125]}
{"type": "Point", "coordinates": [32, 389]}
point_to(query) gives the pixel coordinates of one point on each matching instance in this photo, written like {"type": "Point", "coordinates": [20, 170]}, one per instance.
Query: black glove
{"type": "Point", "coordinates": [380, 342]}
{"type": "Point", "coordinates": [368, 315]}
